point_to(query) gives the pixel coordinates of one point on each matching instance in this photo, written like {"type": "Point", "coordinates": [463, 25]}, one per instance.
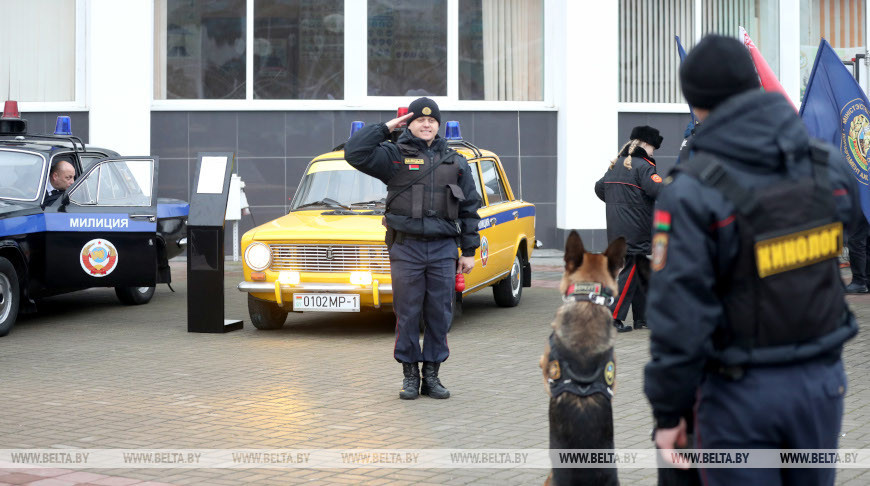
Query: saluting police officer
{"type": "Point", "coordinates": [746, 307]}
{"type": "Point", "coordinates": [431, 208]}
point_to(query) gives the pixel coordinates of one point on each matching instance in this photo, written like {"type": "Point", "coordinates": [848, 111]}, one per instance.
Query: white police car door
{"type": "Point", "coordinates": [103, 232]}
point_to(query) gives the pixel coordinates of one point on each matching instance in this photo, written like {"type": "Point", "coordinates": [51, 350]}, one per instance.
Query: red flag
{"type": "Point", "coordinates": [765, 74]}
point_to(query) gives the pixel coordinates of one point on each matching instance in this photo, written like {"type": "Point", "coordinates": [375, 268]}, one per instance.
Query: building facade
{"type": "Point", "coordinates": [552, 86]}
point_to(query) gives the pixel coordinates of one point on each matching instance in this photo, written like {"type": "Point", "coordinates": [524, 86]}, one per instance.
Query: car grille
{"type": "Point", "coordinates": [330, 258]}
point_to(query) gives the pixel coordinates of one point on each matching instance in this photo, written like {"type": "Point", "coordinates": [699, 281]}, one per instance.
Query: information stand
{"type": "Point", "coordinates": [205, 249]}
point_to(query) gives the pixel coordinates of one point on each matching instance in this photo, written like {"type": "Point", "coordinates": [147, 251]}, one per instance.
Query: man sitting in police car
{"type": "Point", "coordinates": [61, 176]}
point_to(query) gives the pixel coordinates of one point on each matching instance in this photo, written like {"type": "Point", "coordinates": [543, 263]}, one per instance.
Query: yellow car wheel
{"type": "Point", "coordinates": [266, 315]}
{"type": "Point", "coordinates": [509, 290]}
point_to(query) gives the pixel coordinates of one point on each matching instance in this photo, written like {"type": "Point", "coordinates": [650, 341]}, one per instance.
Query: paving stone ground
{"type": "Point", "coordinates": [87, 372]}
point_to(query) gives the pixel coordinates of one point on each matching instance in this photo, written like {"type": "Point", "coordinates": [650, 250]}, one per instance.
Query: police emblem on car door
{"type": "Point", "coordinates": [103, 233]}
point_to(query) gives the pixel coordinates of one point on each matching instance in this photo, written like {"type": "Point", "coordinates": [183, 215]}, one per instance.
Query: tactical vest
{"type": "Point", "coordinates": [566, 375]}
{"type": "Point", "coordinates": [436, 195]}
{"type": "Point", "coordinates": [784, 290]}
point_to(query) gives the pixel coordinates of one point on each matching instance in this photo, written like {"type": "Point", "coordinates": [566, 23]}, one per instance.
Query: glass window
{"type": "Point", "coordinates": [476, 176]}
{"type": "Point", "coordinates": [348, 187]}
{"type": "Point", "coordinates": [492, 184]}
{"type": "Point", "coordinates": [760, 18]}
{"type": "Point", "coordinates": [840, 22]}
{"type": "Point", "coordinates": [199, 49]}
{"type": "Point", "coordinates": [38, 37]}
{"type": "Point", "coordinates": [22, 175]}
{"type": "Point", "coordinates": [407, 47]}
{"type": "Point", "coordinates": [117, 183]}
{"type": "Point", "coordinates": [299, 49]}
{"type": "Point", "coordinates": [501, 50]}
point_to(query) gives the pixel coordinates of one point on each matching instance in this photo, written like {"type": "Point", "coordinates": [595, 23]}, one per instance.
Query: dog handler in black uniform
{"type": "Point", "coordinates": [629, 188]}
{"type": "Point", "coordinates": [431, 209]}
{"type": "Point", "coordinates": [747, 312]}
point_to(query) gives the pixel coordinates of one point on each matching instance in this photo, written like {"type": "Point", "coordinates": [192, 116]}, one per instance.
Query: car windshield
{"type": "Point", "coordinates": [346, 186]}
{"type": "Point", "coordinates": [20, 175]}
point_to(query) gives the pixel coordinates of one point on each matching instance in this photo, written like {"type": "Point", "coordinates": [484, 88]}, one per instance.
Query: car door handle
{"type": "Point", "coordinates": [149, 217]}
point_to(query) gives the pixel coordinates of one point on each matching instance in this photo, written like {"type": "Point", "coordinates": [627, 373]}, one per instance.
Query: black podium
{"type": "Point", "coordinates": [205, 244]}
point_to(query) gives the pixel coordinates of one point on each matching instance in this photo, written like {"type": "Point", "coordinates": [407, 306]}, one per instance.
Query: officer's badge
{"type": "Point", "coordinates": [99, 258]}
{"type": "Point", "coordinates": [609, 373]}
{"type": "Point", "coordinates": [659, 251]}
{"type": "Point", "coordinates": [554, 372]}
{"type": "Point", "coordinates": [427, 111]}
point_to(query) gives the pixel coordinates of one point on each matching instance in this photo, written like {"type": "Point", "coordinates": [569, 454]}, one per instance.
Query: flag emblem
{"type": "Point", "coordinates": [858, 139]}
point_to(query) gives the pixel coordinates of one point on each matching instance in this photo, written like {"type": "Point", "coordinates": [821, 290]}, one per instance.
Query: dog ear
{"type": "Point", "coordinates": [615, 254]}
{"type": "Point", "coordinates": [573, 252]}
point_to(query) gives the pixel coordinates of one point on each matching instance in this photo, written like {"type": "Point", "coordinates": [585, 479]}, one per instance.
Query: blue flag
{"type": "Point", "coordinates": [835, 110]}
{"type": "Point", "coordinates": [682, 53]}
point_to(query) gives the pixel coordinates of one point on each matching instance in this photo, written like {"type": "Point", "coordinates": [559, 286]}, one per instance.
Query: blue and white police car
{"type": "Point", "coordinates": [108, 229]}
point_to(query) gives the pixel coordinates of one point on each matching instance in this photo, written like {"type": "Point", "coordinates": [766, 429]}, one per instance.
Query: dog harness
{"type": "Point", "coordinates": [566, 375]}
{"type": "Point", "coordinates": [594, 292]}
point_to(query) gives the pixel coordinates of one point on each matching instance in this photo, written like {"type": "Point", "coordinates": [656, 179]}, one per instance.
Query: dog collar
{"type": "Point", "coordinates": [594, 292]}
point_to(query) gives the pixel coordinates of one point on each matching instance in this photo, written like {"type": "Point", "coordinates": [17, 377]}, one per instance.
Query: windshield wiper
{"type": "Point", "coordinates": [329, 202]}
{"type": "Point", "coordinates": [369, 203]}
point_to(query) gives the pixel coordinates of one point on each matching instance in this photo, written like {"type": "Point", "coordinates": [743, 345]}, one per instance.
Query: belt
{"type": "Point", "coordinates": [407, 236]}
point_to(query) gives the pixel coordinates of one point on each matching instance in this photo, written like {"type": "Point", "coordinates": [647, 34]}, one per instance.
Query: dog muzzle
{"type": "Point", "coordinates": [594, 292]}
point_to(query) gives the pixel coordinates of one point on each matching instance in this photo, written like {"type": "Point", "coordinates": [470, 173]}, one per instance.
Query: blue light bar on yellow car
{"type": "Point", "coordinates": [453, 132]}
{"type": "Point", "coordinates": [355, 126]}
{"type": "Point", "coordinates": [63, 126]}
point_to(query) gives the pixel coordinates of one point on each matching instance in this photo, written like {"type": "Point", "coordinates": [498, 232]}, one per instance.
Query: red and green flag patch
{"type": "Point", "coordinates": [662, 220]}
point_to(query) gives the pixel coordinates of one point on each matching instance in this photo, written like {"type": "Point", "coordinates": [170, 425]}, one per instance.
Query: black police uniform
{"type": "Point", "coordinates": [747, 314]}
{"type": "Point", "coordinates": [858, 262]}
{"type": "Point", "coordinates": [430, 219]}
{"type": "Point", "coordinates": [630, 195]}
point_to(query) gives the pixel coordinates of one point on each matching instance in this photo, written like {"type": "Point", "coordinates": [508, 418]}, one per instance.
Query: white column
{"type": "Point", "coordinates": [120, 75]}
{"type": "Point", "coordinates": [789, 48]}
{"type": "Point", "coordinates": [585, 50]}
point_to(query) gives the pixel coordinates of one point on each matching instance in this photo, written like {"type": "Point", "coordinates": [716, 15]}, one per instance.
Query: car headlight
{"type": "Point", "coordinates": [258, 257]}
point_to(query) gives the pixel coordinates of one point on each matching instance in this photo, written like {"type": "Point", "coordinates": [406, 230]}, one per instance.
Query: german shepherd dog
{"type": "Point", "coordinates": [583, 338]}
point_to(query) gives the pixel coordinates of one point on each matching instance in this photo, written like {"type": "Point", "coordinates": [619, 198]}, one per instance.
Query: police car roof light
{"type": "Point", "coordinates": [402, 111]}
{"type": "Point", "coordinates": [355, 126]}
{"type": "Point", "coordinates": [10, 109]}
{"type": "Point", "coordinates": [452, 132]}
{"type": "Point", "coordinates": [63, 126]}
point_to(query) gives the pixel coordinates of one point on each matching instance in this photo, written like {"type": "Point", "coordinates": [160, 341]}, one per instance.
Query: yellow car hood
{"type": "Point", "coordinates": [312, 225]}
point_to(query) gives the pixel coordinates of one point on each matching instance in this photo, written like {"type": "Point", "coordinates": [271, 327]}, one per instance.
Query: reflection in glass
{"type": "Point", "coordinates": [501, 50]}
{"type": "Point", "coordinates": [407, 52]}
{"type": "Point", "coordinates": [840, 22]}
{"type": "Point", "coordinates": [299, 49]}
{"type": "Point", "coordinates": [348, 186]}
{"type": "Point", "coordinates": [22, 175]}
{"type": "Point", "coordinates": [204, 49]}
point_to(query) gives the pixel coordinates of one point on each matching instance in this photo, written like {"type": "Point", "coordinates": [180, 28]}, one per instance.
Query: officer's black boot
{"type": "Point", "coordinates": [640, 325]}
{"type": "Point", "coordinates": [431, 384]}
{"type": "Point", "coordinates": [856, 288]}
{"type": "Point", "coordinates": [411, 383]}
{"type": "Point", "coordinates": [620, 327]}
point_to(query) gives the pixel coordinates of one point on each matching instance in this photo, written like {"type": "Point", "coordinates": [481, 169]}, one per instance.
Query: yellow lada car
{"type": "Point", "coordinates": [328, 254]}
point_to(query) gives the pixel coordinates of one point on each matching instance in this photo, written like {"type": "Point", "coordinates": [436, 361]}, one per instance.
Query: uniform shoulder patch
{"type": "Point", "coordinates": [656, 178]}
{"type": "Point", "coordinates": [661, 220]}
{"type": "Point", "coordinates": [659, 251]}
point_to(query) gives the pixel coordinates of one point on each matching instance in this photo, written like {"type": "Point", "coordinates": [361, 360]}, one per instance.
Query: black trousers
{"type": "Point", "coordinates": [424, 279]}
{"type": "Point", "coordinates": [857, 244]}
{"type": "Point", "coordinates": [633, 284]}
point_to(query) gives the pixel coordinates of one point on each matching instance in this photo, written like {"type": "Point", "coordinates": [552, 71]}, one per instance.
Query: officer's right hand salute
{"type": "Point", "coordinates": [395, 122]}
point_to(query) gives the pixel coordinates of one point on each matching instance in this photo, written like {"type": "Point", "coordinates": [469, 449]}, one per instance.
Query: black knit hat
{"type": "Point", "coordinates": [716, 69]}
{"type": "Point", "coordinates": [424, 107]}
{"type": "Point", "coordinates": [647, 134]}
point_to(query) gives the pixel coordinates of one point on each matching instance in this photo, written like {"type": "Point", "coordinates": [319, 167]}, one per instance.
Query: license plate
{"type": "Point", "coordinates": [326, 302]}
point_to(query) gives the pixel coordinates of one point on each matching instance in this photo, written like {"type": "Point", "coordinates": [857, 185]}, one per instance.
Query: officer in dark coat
{"type": "Point", "coordinates": [747, 311]}
{"type": "Point", "coordinates": [431, 210]}
{"type": "Point", "coordinates": [629, 188]}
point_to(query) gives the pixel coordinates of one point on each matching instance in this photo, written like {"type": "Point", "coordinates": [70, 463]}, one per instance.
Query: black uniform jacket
{"type": "Point", "coordinates": [629, 195]}
{"type": "Point", "coordinates": [370, 152]}
{"type": "Point", "coordinates": [751, 134]}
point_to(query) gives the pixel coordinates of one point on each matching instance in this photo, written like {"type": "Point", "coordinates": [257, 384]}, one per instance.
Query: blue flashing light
{"type": "Point", "coordinates": [63, 126]}
{"type": "Point", "coordinates": [452, 132]}
{"type": "Point", "coordinates": [355, 126]}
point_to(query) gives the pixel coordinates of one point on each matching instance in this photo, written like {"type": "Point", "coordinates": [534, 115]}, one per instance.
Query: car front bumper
{"type": "Point", "coordinates": [375, 290]}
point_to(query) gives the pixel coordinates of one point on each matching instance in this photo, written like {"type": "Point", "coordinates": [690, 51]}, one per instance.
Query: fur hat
{"type": "Point", "coordinates": [424, 107]}
{"type": "Point", "coordinates": [716, 69]}
{"type": "Point", "coordinates": [647, 134]}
